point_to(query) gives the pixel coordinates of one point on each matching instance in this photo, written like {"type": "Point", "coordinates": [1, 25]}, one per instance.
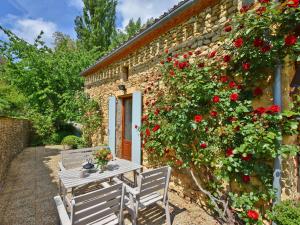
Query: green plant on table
{"type": "Point", "coordinates": [102, 157]}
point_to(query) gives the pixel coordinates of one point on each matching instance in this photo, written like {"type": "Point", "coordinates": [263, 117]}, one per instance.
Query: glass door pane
{"type": "Point", "coordinates": [127, 119]}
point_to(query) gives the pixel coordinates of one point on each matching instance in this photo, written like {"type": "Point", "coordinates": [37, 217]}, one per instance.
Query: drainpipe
{"type": "Point", "coordinates": [277, 161]}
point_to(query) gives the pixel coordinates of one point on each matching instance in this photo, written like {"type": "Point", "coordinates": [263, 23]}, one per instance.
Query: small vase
{"type": "Point", "coordinates": [102, 168]}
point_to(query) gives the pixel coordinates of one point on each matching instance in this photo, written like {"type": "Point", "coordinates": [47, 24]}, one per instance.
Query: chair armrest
{"type": "Point", "coordinates": [61, 166]}
{"type": "Point", "coordinates": [63, 215]}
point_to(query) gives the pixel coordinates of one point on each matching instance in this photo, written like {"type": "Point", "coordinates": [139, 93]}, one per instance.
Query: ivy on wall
{"type": "Point", "coordinates": [204, 119]}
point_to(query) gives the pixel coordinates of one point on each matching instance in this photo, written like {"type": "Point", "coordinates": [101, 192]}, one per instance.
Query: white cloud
{"type": "Point", "coordinates": [144, 9]}
{"type": "Point", "coordinates": [29, 29]}
{"type": "Point", "coordinates": [78, 4]}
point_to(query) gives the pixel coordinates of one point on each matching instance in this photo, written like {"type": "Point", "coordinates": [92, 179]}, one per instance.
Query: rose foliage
{"type": "Point", "coordinates": [204, 118]}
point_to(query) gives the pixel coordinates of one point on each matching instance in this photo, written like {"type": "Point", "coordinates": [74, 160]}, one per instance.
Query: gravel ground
{"type": "Point", "coordinates": [31, 183]}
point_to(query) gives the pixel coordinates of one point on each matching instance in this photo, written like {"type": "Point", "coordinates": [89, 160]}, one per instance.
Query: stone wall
{"type": "Point", "coordinates": [14, 137]}
{"type": "Point", "coordinates": [201, 32]}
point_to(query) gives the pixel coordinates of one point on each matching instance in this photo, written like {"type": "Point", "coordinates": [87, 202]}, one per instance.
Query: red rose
{"type": "Point", "coordinates": [156, 128]}
{"type": "Point", "coordinates": [216, 99]}
{"type": "Point", "coordinates": [229, 152]}
{"type": "Point", "coordinates": [172, 73]}
{"type": "Point", "coordinates": [203, 145]}
{"type": "Point", "coordinates": [190, 53]}
{"type": "Point", "coordinates": [264, 1]}
{"type": "Point", "coordinates": [212, 54]}
{"type": "Point", "coordinates": [247, 158]}
{"type": "Point", "coordinates": [198, 52]}
{"type": "Point", "coordinates": [234, 97]}
{"type": "Point", "coordinates": [240, 87]}
{"type": "Point", "coordinates": [145, 117]}
{"type": "Point", "coordinates": [293, 3]}
{"type": "Point", "coordinates": [273, 109]}
{"type": "Point", "coordinates": [261, 10]}
{"type": "Point", "coordinates": [148, 132]}
{"type": "Point", "coordinates": [252, 214]}
{"type": "Point", "coordinates": [213, 113]}
{"type": "Point", "coordinates": [258, 42]}
{"type": "Point", "coordinates": [176, 56]}
{"type": "Point", "coordinates": [178, 162]}
{"type": "Point", "coordinates": [200, 65]}
{"type": "Point", "coordinates": [257, 91]}
{"type": "Point", "coordinates": [238, 42]}
{"type": "Point", "coordinates": [185, 56]}
{"type": "Point", "coordinates": [227, 28]}
{"type": "Point", "coordinates": [156, 112]}
{"type": "Point", "coordinates": [244, 8]}
{"type": "Point", "coordinates": [183, 65]}
{"type": "Point", "coordinates": [198, 118]}
{"type": "Point", "coordinates": [232, 84]}
{"type": "Point", "coordinates": [290, 40]}
{"type": "Point", "coordinates": [223, 79]}
{"type": "Point", "coordinates": [246, 66]}
{"type": "Point", "coordinates": [265, 48]}
{"type": "Point", "coordinates": [167, 51]}
{"type": "Point", "coordinates": [226, 58]}
{"type": "Point", "coordinates": [260, 110]}
{"type": "Point", "coordinates": [246, 178]}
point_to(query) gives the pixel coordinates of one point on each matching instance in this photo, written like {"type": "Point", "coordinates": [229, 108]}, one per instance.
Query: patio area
{"type": "Point", "coordinates": [31, 184]}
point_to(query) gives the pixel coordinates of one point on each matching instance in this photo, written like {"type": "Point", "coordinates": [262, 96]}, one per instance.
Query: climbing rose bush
{"type": "Point", "coordinates": [203, 119]}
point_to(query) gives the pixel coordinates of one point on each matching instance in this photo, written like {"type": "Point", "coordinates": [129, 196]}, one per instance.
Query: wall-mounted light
{"type": "Point", "coordinates": [122, 87]}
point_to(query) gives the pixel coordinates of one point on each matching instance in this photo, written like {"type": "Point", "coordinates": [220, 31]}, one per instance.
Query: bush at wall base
{"type": "Point", "coordinates": [286, 213]}
{"type": "Point", "coordinates": [73, 141]}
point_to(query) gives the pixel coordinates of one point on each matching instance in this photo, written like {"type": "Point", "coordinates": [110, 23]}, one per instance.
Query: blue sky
{"type": "Point", "coordinates": [27, 18]}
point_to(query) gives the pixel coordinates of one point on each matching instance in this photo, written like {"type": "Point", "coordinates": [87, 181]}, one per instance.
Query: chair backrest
{"type": "Point", "coordinates": [100, 205]}
{"type": "Point", "coordinates": [155, 180]}
{"type": "Point", "coordinates": [74, 158]}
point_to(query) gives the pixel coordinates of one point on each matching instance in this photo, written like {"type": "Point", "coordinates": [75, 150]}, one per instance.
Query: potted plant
{"type": "Point", "coordinates": [102, 157]}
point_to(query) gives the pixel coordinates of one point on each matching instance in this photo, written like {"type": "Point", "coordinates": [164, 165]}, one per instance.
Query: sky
{"type": "Point", "coordinates": [26, 18]}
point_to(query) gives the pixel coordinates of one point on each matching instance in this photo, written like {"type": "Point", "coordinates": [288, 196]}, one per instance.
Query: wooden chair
{"type": "Point", "coordinates": [100, 207]}
{"type": "Point", "coordinates": [147, 192]}
{"type": "Point", "coordinates": [74, 158]}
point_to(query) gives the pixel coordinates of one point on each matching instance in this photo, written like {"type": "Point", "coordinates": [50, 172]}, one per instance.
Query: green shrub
{"type": "Point", "coordinates": [73, 141]}
{"type": "Point", "coordinates": [286, 213]}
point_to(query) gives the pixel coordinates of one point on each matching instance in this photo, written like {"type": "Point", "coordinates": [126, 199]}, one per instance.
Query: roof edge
{"type": "Point", "coordinates": [157, 24]}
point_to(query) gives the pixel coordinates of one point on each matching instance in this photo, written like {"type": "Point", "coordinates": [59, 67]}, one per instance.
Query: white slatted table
{"type": "Point", "coordinates": [70, 178]}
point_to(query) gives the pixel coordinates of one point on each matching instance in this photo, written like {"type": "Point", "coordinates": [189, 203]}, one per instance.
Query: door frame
{"type": "Point", "coordinates": [122, 98]}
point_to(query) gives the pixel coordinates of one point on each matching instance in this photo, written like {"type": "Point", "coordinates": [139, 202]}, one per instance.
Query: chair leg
{"type": "Point", "coordinates": [168, 218]}
{"type": "Point", "coordinates": [132, 210]}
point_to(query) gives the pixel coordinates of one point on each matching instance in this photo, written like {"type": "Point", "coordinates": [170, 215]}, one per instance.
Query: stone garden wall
{"type": "Point", "coordinates": [14, 137]}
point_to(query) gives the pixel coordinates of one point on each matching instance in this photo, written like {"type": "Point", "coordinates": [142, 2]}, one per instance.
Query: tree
{"type": "Point", "coordinates": [96, 26]}
{"type": "Point", "coordinates": [132, 28]}
{"type": "Point", "coordinates": [48, 78]}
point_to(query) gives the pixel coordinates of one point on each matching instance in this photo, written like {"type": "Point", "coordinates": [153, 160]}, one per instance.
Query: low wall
{"type": "Point", "coordinates": [14, 137]}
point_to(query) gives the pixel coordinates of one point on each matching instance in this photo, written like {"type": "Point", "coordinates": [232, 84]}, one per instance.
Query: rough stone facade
{"type": "Point", "coordinates": [200, 32]}
{"type": "Point", "coordinates": [14, 137]}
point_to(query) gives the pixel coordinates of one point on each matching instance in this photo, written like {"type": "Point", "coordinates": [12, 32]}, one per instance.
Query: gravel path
{"type": "Point", "coordinates": [31, 183]}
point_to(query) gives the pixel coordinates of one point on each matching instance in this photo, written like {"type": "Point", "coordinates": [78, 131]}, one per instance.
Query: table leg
{"type": "Point", "coordinates": [135, 174]}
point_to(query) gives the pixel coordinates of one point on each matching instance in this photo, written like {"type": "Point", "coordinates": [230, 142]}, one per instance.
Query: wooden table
{"type": "Point", "coordinates": [70, 178]}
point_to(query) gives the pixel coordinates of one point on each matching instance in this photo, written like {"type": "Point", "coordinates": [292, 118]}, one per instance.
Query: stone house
{"type": "Point", "coordinates": [121, 78]}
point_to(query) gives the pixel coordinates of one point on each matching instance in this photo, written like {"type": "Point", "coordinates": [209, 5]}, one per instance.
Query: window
{"type": "Point", "coordinates": [124, 73]}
